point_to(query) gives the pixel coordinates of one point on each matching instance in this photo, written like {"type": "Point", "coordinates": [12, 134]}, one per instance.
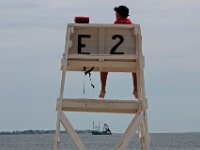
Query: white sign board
{"type": "Point", "coordinates": [101, 39]}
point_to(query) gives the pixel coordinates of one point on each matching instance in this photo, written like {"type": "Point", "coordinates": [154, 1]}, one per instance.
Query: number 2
{"type": "Point", "coordinates": [121, 40]}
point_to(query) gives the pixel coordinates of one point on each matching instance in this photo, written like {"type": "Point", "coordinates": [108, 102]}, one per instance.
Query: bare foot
{"type": "Point", "coordinates": [102, 94]}
{"type": "Point", "coordinates": [135, 93]}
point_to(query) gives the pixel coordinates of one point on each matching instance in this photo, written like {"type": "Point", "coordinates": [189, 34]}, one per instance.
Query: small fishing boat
{"type": "Point", "coordinates": [106, 130]}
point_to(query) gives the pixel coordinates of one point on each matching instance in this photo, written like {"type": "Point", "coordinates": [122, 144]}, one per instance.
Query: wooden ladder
{"type": "Point", "coordinates": [110, 48]}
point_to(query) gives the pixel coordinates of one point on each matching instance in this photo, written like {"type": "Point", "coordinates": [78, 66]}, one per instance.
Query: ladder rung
{"type": "Point", "coordinates": [99, 105]}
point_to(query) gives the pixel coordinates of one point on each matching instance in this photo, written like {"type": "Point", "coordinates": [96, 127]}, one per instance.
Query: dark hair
{"type": "Point", "coordinates": [122, 11]}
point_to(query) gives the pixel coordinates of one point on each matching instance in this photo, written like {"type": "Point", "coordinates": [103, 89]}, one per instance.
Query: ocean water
{"type": "Point", "coordinates": [159, 141]}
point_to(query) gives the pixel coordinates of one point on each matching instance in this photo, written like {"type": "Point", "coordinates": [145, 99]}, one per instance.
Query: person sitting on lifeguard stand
{"type": "Point", "coordinates": [122, 12]}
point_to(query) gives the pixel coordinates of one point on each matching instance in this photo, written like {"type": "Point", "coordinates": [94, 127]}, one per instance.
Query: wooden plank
{"type": "Point", "coordinates": [128, 135]}
{"type": "Point", "coordinates": [74, 136]}
{"type": "Point", "coordinates": [57, 132]}
{"type": "Point", "coordinates": [111, 63]}
{"type": "Point", "coordinates": [121, 26]}
{"type": "Point", "coordinates": [70, 68]}
{"type": "Point", "coordinates": [101, 39]}
{"type": "Point", "coordinates": [98, 105]}
{"type": "Point", "coordinates": [144, 138]}
{"type": "Point", "coordinates": [102, 56]}
{"type": "Point", "coordinates": [104, 64]}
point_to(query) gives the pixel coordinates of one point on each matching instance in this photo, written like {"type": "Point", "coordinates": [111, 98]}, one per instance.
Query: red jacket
{"type": "Point", "coordinates": [123, 21]}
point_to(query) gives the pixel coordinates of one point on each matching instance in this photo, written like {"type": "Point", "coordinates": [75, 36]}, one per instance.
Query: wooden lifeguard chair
{"type": "Point", "coordinates": [111, 48]}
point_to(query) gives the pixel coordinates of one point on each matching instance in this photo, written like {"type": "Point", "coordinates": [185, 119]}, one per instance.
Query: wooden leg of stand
{"type": "Point", "coordinates": [74, 136]}
{"type": "Point", "coordinates": [127, 136]}
{"type": "Point", "coordinates": [57, 134]}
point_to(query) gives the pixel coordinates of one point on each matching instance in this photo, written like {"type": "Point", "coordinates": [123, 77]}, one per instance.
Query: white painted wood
{"type": "Point", "coordinates": [101, 41]}
{"type": "Point", "coordinates": [59, 102]}
{"type": "Point", "coordinates": [100, 65]}
{"type": "Point", "coordinates": [122, 63]}
{"type": "Point", "coordinates": [90, 45]}
{"type": "Point", "coordinates": [128, 135]}
{"type": "Point", "coordinates": [72, 133]}
{"type": "Point", "coordinates": [97, 105]}
{"type": "Point", "coordinates": [57, 132]}
{"type": "Point", "coordinates": [102, 56]}
{"type": "Point", "coordinates": [98, 38]}
{"type": "Point", "coordinates": [144, 139]}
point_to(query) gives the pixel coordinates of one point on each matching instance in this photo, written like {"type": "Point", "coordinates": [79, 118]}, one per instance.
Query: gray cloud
{"type": "Point", "coordinates": [32, 42]}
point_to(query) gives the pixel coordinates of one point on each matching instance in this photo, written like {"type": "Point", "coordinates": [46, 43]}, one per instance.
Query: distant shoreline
{"type": "Point", "coordinates": [27, 132]}
{"type": "Point", "coordinates": [31, 132]}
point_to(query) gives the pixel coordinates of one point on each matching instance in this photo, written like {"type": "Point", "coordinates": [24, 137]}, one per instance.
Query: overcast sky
{"type": "Point", "coordinates": [32, 39]}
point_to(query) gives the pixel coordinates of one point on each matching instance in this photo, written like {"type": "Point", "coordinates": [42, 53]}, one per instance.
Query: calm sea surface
{"type": "Point", "coordinates": [159, 141]}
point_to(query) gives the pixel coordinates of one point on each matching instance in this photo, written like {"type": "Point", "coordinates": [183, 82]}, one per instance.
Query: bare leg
{"type": "Point", "coordinates": [135, 91]}
{"type": "Point", "coordinates": [103, 77]}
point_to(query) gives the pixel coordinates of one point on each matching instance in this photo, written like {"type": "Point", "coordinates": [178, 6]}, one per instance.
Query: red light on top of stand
{"type": "Point", "coordinates": [81, 19]}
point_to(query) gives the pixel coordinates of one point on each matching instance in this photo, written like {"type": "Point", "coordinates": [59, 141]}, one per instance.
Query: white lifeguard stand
{"type": "Point", "coordinates": [110, 48]}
